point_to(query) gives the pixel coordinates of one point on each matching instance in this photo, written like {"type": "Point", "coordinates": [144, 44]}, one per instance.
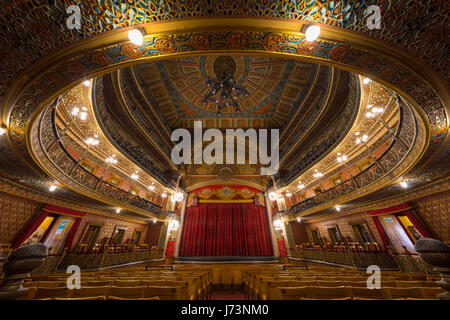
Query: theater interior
{"type": "Point", "coordinates": [351, 111]}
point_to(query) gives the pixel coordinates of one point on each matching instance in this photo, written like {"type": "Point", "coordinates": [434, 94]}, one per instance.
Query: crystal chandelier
{"type": "Point", "coordinates": [224, 92]}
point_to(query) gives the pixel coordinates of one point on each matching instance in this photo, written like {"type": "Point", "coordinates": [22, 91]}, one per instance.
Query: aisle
{"type": "Point", "coordinates": [218, 294]}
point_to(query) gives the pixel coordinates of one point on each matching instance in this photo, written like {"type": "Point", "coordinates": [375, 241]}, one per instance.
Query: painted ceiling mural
{"type": "Point", "coordinates": [276, 87]}
{"type": "Point", "coordinates": [32, 31]}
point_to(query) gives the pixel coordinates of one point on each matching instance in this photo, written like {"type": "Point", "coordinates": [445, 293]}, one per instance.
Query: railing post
{"type": "Point", "coordinates": [18, 267]}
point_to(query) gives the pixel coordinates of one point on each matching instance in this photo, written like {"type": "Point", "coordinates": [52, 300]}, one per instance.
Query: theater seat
{"type": "Point", "coordinates": [327, 292]}
{"type": "Point", "coordinates": [395, 293]}
{"type": "Point", "coordinates": [127, 292]}
{"type": "Point", "coordinates": [290, 293]}
{"type": "Point", "coordinates": [89, 292]}
{"type": "Point", "coordinates": [366, 293]}
{"type": "Point", "coordinates": [82, 298]}
{"type": "Point", "coordinates": [119, 298]}
{"type": "Point", "coordinates": [45, 292]}
{"type": "Point", "coordinates": [164, 293]}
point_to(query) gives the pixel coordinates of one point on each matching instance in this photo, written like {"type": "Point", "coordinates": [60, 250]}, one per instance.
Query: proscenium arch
{"type": "Point", "coordinates": [91, 57]}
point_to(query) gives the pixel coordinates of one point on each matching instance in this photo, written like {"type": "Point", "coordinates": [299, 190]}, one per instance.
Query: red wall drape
{"type": "Point", "coordinates": [226, 229]}
{"type": "Point", "coordinates": [381, 232]}
{"type": "Point", "coordinates": [71, 235]}
{"type": "Point", "coordinates": [30, 231]}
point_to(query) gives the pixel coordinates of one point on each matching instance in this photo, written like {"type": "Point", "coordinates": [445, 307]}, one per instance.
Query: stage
{"type": "Point", "coordinates": [226, 259]}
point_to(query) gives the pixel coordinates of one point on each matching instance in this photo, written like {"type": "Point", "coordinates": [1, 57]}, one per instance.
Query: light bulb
{"type": "Point", "coordinates": [338, 208]}
{"type": "Point", "coordinates": [404, 184]}
{"type": "Point", "coordinates": [366, 80]}
{"type": "Point", "coordinates": [75, 111]}
{"type": "Point", "coordinates": [312, 33]}
{"type": "Point", "coordinates": [135, 37]}
{"type": "Point", "coordinates": [52, 188]}
{"type": "Point", "coordinates": [83, 115]}
{"type": "Point", "coordinates": [87, 83]}
{"type": "Point", "coordinates": [272, 196]}
{"type": "Point", "coordinates": [117, 210]}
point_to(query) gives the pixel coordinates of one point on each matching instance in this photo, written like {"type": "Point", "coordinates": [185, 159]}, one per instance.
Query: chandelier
{"type": "Point", "coordinates": [224, 92]}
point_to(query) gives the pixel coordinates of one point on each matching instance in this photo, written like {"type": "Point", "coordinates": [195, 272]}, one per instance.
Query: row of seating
{"type": "Point", "coordinates": [161, 283]}
{"type": "Point", "coordinates": [355, 293]}
{"type": "Point", "coordinates": [152, 292]}
{"type": "Point", "coordinates": [266, 282]}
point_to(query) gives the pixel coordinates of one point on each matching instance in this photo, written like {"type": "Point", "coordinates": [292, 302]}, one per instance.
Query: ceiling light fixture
{"type": "Point", "coordinates": [317, 174]}
{"type": "Point", "coordinates": [404, 184]}
{"type": "Point", "coordinates": [83, 115]}
{"type": "Point", "coordinates": [136, 37]}
{"type": "Point", "coordinates": [91, 141]}
{"type": "Point", "coordinates": [272, 196]}
{"type": "Point", "coordinates": [338, 208]}
{"type": "Point", "coordinates": [111, 160]}
{"type": "Point", "coordinates": [278, 224]}
{"type": "Point", "coordinates": [164, 194]}
{"type": "Point", "coordinates": [299, 220]}
{"type": "Point", "coordinates": [178, 196]}
{"type": "Point", "coordinates": [87, 83]}
{"type": "Point", "coordinates": [52, 188]}
{"type": "Point", "coordinates": [288, 194]}
{"type": "Point", "coordinates": [366, 80]}
{"type": "Point", "coordinates": [151, 188]}
{"type": "Point", "coordinates": [312, 33]}
{"type": "Point", "coordinates": [134, 176]}
{"type": "Point", "coordinates": [117, 210]}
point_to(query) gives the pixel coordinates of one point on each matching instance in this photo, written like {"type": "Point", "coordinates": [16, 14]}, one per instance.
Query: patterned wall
{"type": "Point", "coordinates": [344, 226]}
{"type": "Point", "coordinates": [435, 211]}
{"type": "Point", "coordinates": [15, 214]}
{"type": "Point", "coordinates": [108, 226]}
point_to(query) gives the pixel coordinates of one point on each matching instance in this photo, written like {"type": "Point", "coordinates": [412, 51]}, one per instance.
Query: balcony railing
{"type": "Point", "coordinates": [386, 163]}
{"type": "Point", "coordinates": [56, 151]}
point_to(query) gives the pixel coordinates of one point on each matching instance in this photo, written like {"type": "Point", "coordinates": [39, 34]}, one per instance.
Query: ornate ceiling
{"type": "Point", "coordinates": [41, 59]}
{"type": "Point", "coordinates": [178, 88]}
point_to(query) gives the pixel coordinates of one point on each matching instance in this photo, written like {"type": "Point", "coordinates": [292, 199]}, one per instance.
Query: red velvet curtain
{"type": "Point", "coordinates": [30, 231]}
{"type": "Point", "coordinates": [381, 231]}
{"type": "Point", "coordinates": [226, 229]}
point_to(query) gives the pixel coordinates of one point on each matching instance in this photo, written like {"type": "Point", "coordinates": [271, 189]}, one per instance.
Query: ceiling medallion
{"type": "Point", "coordinates": [224, 91]}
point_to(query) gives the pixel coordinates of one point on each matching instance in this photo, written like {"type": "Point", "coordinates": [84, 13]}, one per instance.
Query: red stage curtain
{"type": "Point", "coordinates": [71, 235]}
{"type": "Point", "coordinates": [381, 232]}
{"type": "Point", "coordinates": [30, 231]}
{"type": "Point", "coordinates": [226, 229]}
